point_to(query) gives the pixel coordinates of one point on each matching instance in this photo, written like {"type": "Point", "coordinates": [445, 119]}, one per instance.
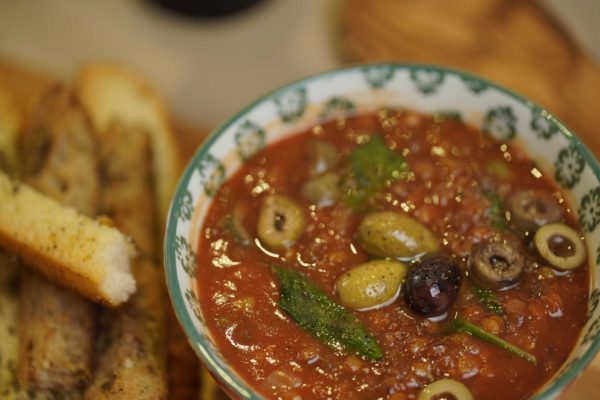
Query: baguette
{"type": "Point", "coordinates": [125, 165]}
{"type": "Point", "coordinates": [24, 84]}
{"type": "Point", "coordinates": [9, 270]}
{"type": "Point", "coordinates": [56, 325]}
{"type": "Point", "coordinates": [133, 364]}
{"type": "Point", "coordinates": [9, 130]}
{"type": "Point", "coordinates": [10, 387]}
{"type": "Point", "coordinates": [132, 361]}
{"type": "Point", "coordinates": [110, 92]}
{"type": "Point", "coordinates": [67, 247]}
{"type": "Point", "coordinates": [58, 151]}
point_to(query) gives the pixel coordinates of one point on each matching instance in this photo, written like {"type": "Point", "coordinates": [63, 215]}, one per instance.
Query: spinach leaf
{"type": "Point", "coordinates": [315, 312]}
{"type": "Point", "coordinates": [372, 167]}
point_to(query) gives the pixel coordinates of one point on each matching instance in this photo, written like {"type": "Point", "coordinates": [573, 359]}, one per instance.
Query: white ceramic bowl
{"type": "Point", "coordinates": [358, 89]}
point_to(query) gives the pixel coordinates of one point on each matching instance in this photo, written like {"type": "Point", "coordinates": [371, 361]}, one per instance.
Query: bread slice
{"type": "Point", "coordinates": [24, 84]}
{"type": "Point", "coordinates": [64, 245]}
{"type": "Point", "coordinates": [111, 93]}
{"type": "Point", "coordinates": [134, 363]}
{"type": "Point", "coordinates": [9, 131]}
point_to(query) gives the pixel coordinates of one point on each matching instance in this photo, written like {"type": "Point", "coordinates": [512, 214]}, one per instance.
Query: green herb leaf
{"type": "Point", "coordinates": [372, 168]}
{"type": "Point", "coordinates": [488, 299]}
{"type": "Point", "coordinates": [459, 325]}
{"type": "Point", "coordinates": [315, 312]}
{"type": "Point", "coordinates": [496, 210]}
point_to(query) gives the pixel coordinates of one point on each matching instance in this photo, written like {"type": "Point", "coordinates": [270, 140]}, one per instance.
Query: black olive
{"type": "Point", "coordinates": [531, 209]}
{"type": "Point", "coordinates": [497, 265]}
{"type": "Point", "coordinates": [432, 285]}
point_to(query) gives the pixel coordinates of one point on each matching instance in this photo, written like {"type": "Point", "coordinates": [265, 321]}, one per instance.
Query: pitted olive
{"type": "Point", "coordinates": [431, 285]}
{"type": "Point", "coordinates": [322, 190]}
{"type": "Point", "coordinates": [497, 265]}
{"type": "Point", "coordinates": [280, 221]}
{"type": "Point", "coordinates": [370, 284]}
{"type": "Point", "coordinates": [560, 245]}
{"type": "Point", "coordinates": [390, 234]}
{"type": "Point", "coordinates": [531, 209]}
{"type": "Point", "coordinates": [445, 389]}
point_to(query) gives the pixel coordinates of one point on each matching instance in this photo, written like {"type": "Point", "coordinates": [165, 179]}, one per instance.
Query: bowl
{"type": "Point", "coordinates": [424, 88]}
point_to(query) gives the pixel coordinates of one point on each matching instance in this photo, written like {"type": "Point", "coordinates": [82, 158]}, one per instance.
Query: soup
{"type": "Point", "coordinates": [394, 256]}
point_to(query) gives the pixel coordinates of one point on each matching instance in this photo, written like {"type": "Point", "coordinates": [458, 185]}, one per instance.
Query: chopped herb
{"type": "Point", "coordinates": [488, 299]}
{"type": "Point", "coordinates": [496, 210]}
{"type": "Point", "coordinates": [315, 312]}
{"type": "Point", "coordinates": [459, 325]}
{"type": "Point", "coordinates": [372, 168]}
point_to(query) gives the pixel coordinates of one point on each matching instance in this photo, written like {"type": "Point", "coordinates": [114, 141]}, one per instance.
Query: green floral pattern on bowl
{"type": "Point", "coordinates": [337, 107]}
{"type": "Point", "coordinates": [569, 165]}
{"type": "Point", "coordinates": [427, 89]}
{"type": "Point", "coordinates": [427, 80]}
{"type": "Point", "coordinates": [249, 139]}
{"type": "Point", "coordinates": [501, 123]}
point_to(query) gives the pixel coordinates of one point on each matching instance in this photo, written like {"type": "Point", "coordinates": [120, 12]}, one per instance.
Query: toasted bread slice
{"type": "Point", "coordinates": [57, 151]}
{"type": "Point", "coordinates": [9, 131]}
{"type": "Point", "coordinates": [112, 93]}
{"type": "Point", "coordinates": [133, 365]}
{"type": "Point", "coordinates": [127, 195]}
{"type": "Point", "coordinates": [56, 331]}
{"type": "Point", "coordinates": [56, 325]}
{"type": "Point", "coordinates": [24, 84]}
{"type": "Point", "coordinates": [67, 247]}
{"type": "Point", "coordinates": [10, 388]}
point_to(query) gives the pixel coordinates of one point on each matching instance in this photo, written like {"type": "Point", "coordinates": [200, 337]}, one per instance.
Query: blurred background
{"type": "Point", "coordinates": [209, 67]}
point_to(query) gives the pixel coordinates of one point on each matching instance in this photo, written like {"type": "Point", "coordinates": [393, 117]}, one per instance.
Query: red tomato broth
{"type": "Point", "coordinates": [543, 314]}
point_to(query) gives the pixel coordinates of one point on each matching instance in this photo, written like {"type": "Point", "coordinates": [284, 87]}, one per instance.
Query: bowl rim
{"type": "Point", "coordinates": [197, 342]}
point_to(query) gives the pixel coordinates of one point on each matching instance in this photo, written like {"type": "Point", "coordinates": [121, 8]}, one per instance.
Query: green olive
{"type": "Point", "coordinates": [370, 284]}
{"type": "Point", "coordinates": [280, 221]}
{"type": "Point", "coordinates": [390, 234]}
{"type": "Point", "coordinates": [322, 157]}
{"type": "Point", "coordinates": [322, 190]}
{"type": "Point", "coordinates": [235, 225]}
{"type": "Point", "coordinates": [560, 245]}
{"type": "Point", "coordinates": [446, 386]}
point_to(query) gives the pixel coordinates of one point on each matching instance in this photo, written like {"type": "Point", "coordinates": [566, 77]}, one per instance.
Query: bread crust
{"type": "Point", "coordinates": [110, 92]}
{"type": "Point", "coordinates": [133, 364]}
{"type": "Point", "coordinates": [61, 243]}
{"type": "Point", "coordinates": [10, 123]}
{"type": "Point", "coordinates": [125, 169]}
{"type": "Point", "coordinates": [57, 151]}
{"type": "Point", "coordinates": [56, 329]}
